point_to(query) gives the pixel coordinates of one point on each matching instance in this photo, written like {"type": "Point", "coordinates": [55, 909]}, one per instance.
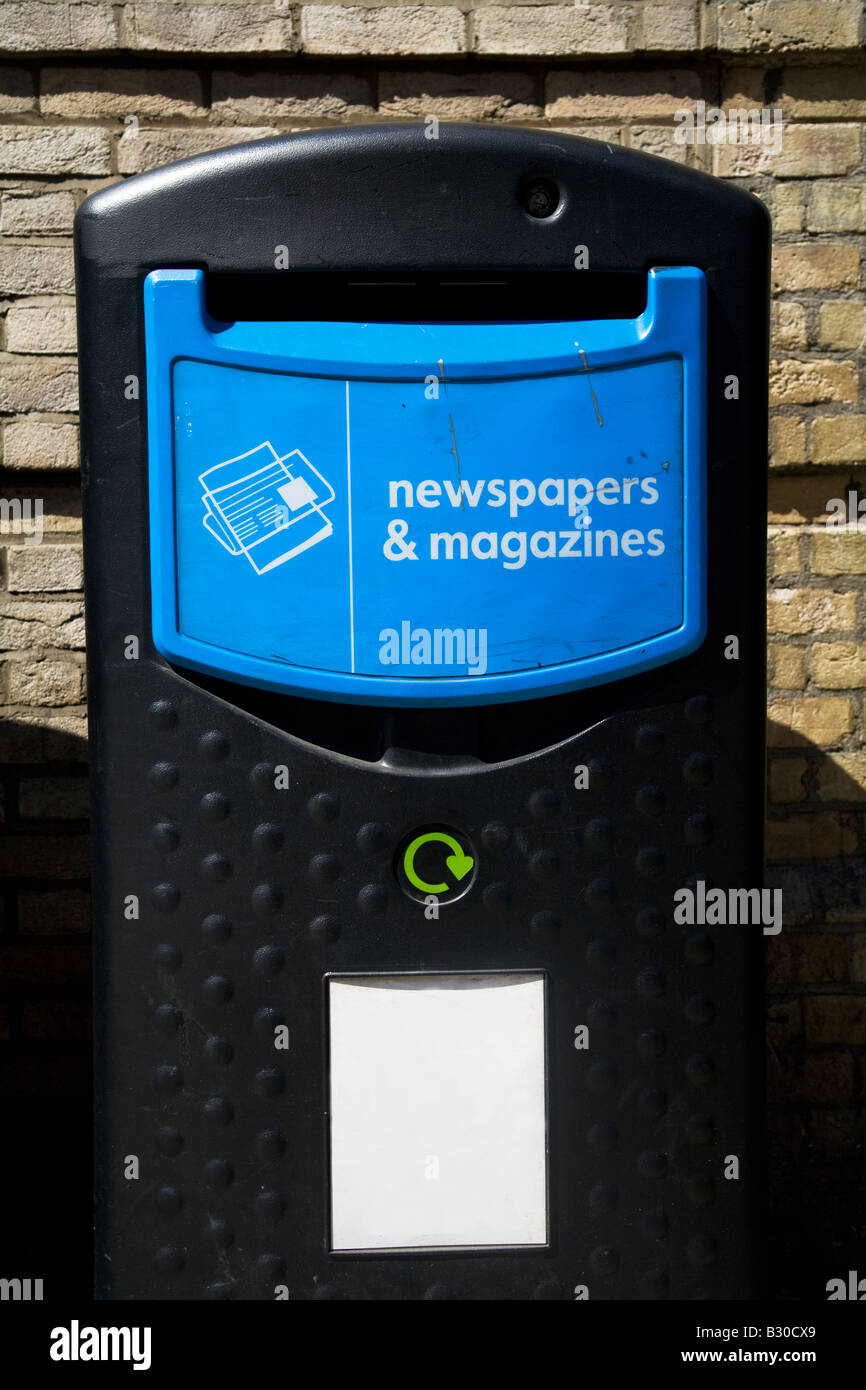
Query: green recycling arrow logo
{"type": "Point", "coordinates": [457, 862]}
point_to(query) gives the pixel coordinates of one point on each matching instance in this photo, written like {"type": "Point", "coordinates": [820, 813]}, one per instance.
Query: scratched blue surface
{"type": "Point", "coordinates": [415, 513]}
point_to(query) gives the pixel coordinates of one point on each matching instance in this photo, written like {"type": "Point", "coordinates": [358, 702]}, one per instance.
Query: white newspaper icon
{"type": "Point", "coordinates": [265, 506]}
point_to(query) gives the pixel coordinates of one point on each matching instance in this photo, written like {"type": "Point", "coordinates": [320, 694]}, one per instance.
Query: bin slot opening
{"type": "Point", "coordinates": [443, 296]}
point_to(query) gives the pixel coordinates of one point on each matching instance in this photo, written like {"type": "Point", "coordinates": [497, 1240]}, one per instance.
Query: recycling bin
{"type": "Point", "coordinates": [424, 490]}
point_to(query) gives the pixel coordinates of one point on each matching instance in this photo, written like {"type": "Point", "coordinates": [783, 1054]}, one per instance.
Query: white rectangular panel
{"type": "Point", "coordinates": [438, 1111]}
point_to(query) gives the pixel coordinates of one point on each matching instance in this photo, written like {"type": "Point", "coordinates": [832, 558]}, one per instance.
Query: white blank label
{"type": "Point", "coordinates": [438, 1125]}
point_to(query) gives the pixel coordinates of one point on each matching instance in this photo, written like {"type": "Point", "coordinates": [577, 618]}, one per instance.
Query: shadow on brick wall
{"type": "Point", "coordinates": [816, 985]}
{"type": "Point", "coordinates": [816, 969]}
{"type": "Point", "coordinates": [45, 1007]}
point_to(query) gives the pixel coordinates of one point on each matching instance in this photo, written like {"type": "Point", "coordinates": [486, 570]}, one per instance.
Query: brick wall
{"type": "Point", "coordinates": [91, 92]}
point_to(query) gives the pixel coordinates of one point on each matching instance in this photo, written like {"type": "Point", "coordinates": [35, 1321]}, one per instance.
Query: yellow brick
{"type": "Point", "coordinates": [787, 441]}
{"type": "Point", "coordinates": [835, 553]}
{"type": "Point", "coordinates": [742, 87]}
{"type": "Point", "coordinates": [800, 956]}
{"type": "Point", "coordinates": [795, 499]}
{"type": "Point", "coordinates": [816, 151]}
{"type": "Point", "coordinates": [608, 93]}
{"type": "Point", "coordinates": [838, 665]}
{"type": "Point", "coordinates": [837, 207]}
{"type": "Point", "coordinates": [842, 777]}
{"type": "Point", "coordinates": [858, 958]}
{"type": "Point", "coordinates": [816, 265]}
{"type": "Point", "coordinates": [801, 611]}
{"type": "Point", "coordinates": [786, 779]}
{"type": "Point", "coordinates": [806, 92]}
{"type": "Point", "coordinates": [784, 554]}
{"type": "Point", "coordinates": [841, 324]}
{"type": "Point", "coordinates": [821, 720]}
{"type": "Point", "coordinates": [787, 667]}
{"type": "Point", "coordinates": [809, 383]}
{"type": "Point", "coordinates": [746, 157]}
{"type": "Point", "coordinates": [836, 1018]}
{"type": "Point", "coordinates": [659, 139]}
{"type": "Point", "coordinates": [787, 26]}
{"type": "Point", "coordinates": [787, 208]}
{"type": "Point", "coordinates": [838, 439]}
{"type": "Point", "coordinates": [788, 326]}
{"type": "Point", "coordinates": [667, 26]}
{"type": "Point", "coordinates": [812, 835]}
{"type": "Point", "coordinates": [828, 1076]}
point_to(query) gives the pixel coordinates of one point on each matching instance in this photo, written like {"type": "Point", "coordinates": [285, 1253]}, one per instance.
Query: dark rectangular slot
{"type": "Point", "coordinates": [442, 296]}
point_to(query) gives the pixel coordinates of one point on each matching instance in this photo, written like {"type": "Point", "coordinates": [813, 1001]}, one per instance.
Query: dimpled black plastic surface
{"type": "Point", "coordinates": [250, 894]}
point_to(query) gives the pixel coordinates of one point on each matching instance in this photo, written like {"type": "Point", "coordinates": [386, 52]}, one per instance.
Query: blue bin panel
{"type": "Point", "coordinates": [434, 513]}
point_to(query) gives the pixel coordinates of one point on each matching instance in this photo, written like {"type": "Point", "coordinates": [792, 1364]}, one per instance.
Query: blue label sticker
{"type": "Point", "coordinates": [415, 513]}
